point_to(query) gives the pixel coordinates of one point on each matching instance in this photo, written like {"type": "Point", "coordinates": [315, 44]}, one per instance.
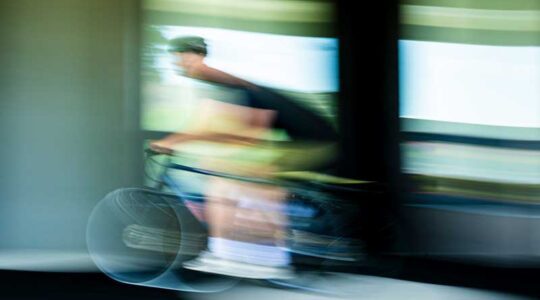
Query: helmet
{"type": "Point", "coordinates": [193, 44]}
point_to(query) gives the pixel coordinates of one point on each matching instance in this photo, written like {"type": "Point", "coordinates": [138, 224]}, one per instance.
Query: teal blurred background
{"type": "Point", "coordinates": [68, 116]}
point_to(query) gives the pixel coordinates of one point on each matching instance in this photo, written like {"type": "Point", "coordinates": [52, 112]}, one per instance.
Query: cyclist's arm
{"type": "Point", "coordinates": [255, 124]}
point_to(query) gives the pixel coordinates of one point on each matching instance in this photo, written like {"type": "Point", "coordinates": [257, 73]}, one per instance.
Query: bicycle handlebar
{"type": "Point", "coordinates": [284, 182]}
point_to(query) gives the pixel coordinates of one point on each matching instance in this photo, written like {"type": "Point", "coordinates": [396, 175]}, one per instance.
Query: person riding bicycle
{"type": "Point", "coordinates": [247, 220]}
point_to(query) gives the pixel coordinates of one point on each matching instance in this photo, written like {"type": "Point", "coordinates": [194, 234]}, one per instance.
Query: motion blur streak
{"type": "Point", "coordinates": [470, 116]}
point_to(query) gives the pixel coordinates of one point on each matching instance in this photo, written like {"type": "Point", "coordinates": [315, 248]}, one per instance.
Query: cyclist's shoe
{"type": "Point", "coordinates": [209, 263]}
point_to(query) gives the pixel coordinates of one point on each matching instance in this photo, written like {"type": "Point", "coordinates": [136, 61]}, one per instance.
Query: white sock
{"type": "Point", "coordinates": [249, 252]}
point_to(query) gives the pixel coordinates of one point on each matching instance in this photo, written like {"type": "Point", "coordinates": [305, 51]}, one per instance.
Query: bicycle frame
{"type": "Point", "coordinates": [129, 227]}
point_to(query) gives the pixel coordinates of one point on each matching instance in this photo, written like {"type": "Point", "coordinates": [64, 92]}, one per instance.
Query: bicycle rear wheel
{"type": "Point", "coordinates": [142, 237]}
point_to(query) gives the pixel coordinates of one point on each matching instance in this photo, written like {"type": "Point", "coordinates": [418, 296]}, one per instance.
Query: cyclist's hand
{"type": "Point", "coordinates": [162, 146]}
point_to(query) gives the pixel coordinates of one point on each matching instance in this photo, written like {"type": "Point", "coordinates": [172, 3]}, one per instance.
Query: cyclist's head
{"type": "Point", "coordinates": [188, 51]}
{"type": "Point", "coordinates": [188, 44]}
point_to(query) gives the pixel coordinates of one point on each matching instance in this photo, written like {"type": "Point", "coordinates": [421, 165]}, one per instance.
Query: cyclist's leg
{"type": "Point", "coordinates": [245, 229]}
{"type": "Point", "coordinates": [220, 209]}
{"type": "Point", "coordinates": [245, 212]}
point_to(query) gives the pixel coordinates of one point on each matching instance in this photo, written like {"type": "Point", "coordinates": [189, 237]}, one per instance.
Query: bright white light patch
{"type": "Point", "coordinates": [476, 84]}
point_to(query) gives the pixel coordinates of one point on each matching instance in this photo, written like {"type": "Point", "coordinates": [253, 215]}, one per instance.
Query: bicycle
{"type": "Point", "coordinates": [142, 236]}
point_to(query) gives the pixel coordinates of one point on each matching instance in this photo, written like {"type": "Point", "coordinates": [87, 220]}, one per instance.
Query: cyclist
{"type": "Point", "coordinates": [246, 220]}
